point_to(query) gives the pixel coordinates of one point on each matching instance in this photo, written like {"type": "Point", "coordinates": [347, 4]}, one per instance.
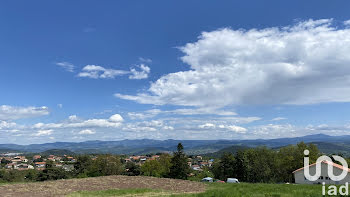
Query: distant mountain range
{"type": "Point", "coordinates": [327, 144]}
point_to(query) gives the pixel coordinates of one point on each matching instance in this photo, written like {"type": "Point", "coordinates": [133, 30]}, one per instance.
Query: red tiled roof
{"type": "Point", "coordinates": [40, 162]}
{"type": "Point", "coordinates": [326, 162]}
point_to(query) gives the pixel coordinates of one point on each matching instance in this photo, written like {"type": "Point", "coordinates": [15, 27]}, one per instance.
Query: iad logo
{"type": "Point", "coordinates": [331, 190]}
{"type": "Point", "coordinates": [330, 167]}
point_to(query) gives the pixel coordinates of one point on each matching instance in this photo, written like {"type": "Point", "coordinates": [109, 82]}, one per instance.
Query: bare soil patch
{"type": "Point", "coordinates": [64, 187]}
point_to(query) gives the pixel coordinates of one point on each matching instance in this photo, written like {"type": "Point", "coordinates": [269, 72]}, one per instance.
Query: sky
{"type": "Point", "coordinates": [112, 70]}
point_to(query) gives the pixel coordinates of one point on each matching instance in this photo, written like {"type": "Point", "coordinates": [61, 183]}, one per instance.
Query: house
{"type": "Point", "coordinates": [16, 160]}
{"type": "Point", "coordinates": [24, 167]}
{"type": "Point", "coordinates": [324, 177]}
{"type": "Point", "coordinates": [199, 157]}
{"type": "Point", "coordinates": [40, 164]}
{"type": "Point", "coordinates": [143, 159]}
{"type": "Point", "coordinates": [203, 163]}
{"type": "Point", "coordinates": [35, 157]}
{"type": "Point", "coordinates": [10, 166]}
{"type": "Point", "coordinates": [196, 167]}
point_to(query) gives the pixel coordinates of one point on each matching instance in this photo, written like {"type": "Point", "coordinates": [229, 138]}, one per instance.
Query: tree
{"type": "Point", "coordinates": [83, 164]}
{"type": "Point", "coordinates": [132, 169]}
{"type": "Point", "coordinates": [52, 173]}
{"type": "Point", "coordinates": [179, 167]}
{"type": "Point", "coordinates": [240, 165]}
{"type": "Point", "coordinates": [260, 165]}
{"type": "Point", "coordinates": [291, 157]}
{"type": "Point", "coordinates": [151, 168]}
{"type": "Point", "coordinates": [225, 168]}
{"type": "Point", "coordinates": [157, 168]}
{"type": "Point", "coordinates": [31, 175]}
{"type": "Point", "coordinates": [105, 165]}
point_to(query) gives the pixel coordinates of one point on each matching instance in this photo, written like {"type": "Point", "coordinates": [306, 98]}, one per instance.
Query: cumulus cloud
{"type": "Point", "coordinates": [87, 132]}
{"type": "Point", "coordinates": [234, 128]}
{"type": "Point", "coordinates": [43, 132]}
{"type": "Point", "coordinates": [7, 126]}
{"type": "Point", "coordinates": [73, 118]}
{"type": "Point", "coordinates": [74, 122]}
{"type": "Point", "coordinates": [146, 126]}
{"type": "Point", "coordinates": [142, 74]}
{"type": "Point", "coordinates": [300, 64]}
{"type": "Point", "coordinates": [237, 129]}
{"type": "Point", "coordinates": [116, 118]}
{"type": "Point", "coordinates": [96, 72]}
{"type": "Point", "coordinates": [14, 113]}
{"type": "Point", "coordinates": [66, 66]}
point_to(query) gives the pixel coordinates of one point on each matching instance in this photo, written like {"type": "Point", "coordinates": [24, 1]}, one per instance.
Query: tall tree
{"type": "Point", "coordinates": [225, 168]}
{"type": "Point", "coordinates": [179, 168]}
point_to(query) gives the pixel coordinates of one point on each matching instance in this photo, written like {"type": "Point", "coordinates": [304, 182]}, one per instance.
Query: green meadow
{"type": "Point", "coordinates": [222, 190]}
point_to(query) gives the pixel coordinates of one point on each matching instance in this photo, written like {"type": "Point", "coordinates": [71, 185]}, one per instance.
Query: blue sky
{"type": "Point", "coordinates": [92, 70]}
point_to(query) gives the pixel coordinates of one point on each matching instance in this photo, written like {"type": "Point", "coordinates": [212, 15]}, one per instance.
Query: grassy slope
{"type": "Point", "coordinates": [224, 190]}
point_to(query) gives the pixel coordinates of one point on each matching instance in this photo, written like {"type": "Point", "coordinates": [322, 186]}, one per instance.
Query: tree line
{"type": "Point", "coordinates": [259, 164]}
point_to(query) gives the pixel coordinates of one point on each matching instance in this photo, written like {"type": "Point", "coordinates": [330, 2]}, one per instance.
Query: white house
{"type": "Point", "coordinates": [324, 177]}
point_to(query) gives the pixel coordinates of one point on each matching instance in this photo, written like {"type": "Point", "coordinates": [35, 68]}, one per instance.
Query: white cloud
{"type": "Point", "coordinates": [96, 72]}
{"type": "Point", "coordinates": [14, 113]}
{"type": "Point", "coordinates": [146, 126]}
{"type": "Point", "coordinates": [278, 118]}
{"type": "Point", "coordinates": [43, 132]}
{"type": "Point", "coordinates": [234, 128]}
{"type": "Point", "coordinates": [99, 72]}
{"type": "Point", "coordinates": [207, 126]}
{"type": "Point", "coordinates": [7, 125]}
{"type": "Point", "coordinates": [276, 131]}
{"type": "Point", "coordinates": [300, 64]}
{"type": "Point", "coordinates": [116, 118]}
{"type": "Point", "coordinates": [168, 128]}
{"type": "Point", "coordinates": [197, 111]}
{"type": "Point", "coordinates": [87, 132]}
{"type": "Point", "coordinates": [73, 118]}
{"type": "Point", "coordinates": [181, 111]}
{"type": "Point", "coordinates": [347, 22]}
{"type": "Point", "coordinates": [60, 106]}
{"type": "Point", "coordinates": [114, 121]}
{"type": "Point", "coordinates": [237, 129]}
{"type": "Point", "coordinates": [135, 115]}
{"type": "Point", "coordinates": [143, 74]}
{"type": "Point", "coordinates": [146, 60]}
{"type": "Point", "coordinates": [66, 66]}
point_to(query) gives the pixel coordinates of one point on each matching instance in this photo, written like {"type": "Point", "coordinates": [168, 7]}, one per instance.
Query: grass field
{"type": "Point", "coordinates": [224, 190]}
{"type": "Point", "coordinates": [260, 190]}
{"type": "Point", "coordinates": [150, 186]}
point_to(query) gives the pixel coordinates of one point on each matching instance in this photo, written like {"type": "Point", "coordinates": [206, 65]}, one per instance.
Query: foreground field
{"type": "Point", "coordinates": [260, 190]}
{"type": "Point", "coordinates": [121, 184]}
{"type": "Point", "coordinates": [223, 190]}
{"type": "Point", "coordinates": [151, 186]}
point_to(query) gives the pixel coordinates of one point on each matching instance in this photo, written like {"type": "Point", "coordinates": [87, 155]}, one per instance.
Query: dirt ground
{"type": "Point", "coordinates": [64, 187]}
